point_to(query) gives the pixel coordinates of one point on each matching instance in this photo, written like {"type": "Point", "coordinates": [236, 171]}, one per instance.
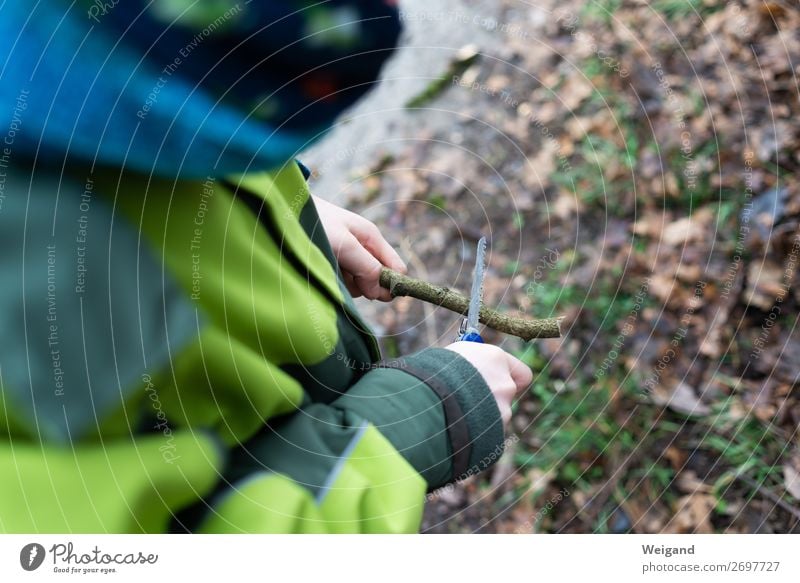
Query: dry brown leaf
{"type": "Point", "coordinates": [574, 90]}
{"type": "Point", "coordinates": [689, 229]}
{"type": "Point", "coordinates": [772, 9]}
{"type": "Point", "coordinates": [538, 480]}
{"type": "Point", "coordinates": [645, 517]}
{"type": "Point", "coordinates": [764, 284]}
{"type": "Point", "coordinates": [791, 480]}
{"type": "Point", "coordinates": [688, 483]}
{"type": "Point", "coordinates": [676, 457]}
{"type": "Point", "coordinates": [681, 398]}
{"type": "Point", "coordinates": [682, 231]}
{"type": "Point", "coordinates": [661, 286]}
{"type": "Point", "coordinates": [650, 225]}
{"type": "Point", "coordinates": [693, 514]}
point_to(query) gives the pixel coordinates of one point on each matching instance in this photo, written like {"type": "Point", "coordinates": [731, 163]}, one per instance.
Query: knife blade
{"type": "Point", "coordinates": [473, 312]}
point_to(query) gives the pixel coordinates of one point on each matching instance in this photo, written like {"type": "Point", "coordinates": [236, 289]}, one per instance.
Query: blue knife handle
{"type": "Point", "coordinates": [471, 337]}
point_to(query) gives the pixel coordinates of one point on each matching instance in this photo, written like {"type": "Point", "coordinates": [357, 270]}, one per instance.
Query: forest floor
{"type": "Point", "coordinates": [635, 167]}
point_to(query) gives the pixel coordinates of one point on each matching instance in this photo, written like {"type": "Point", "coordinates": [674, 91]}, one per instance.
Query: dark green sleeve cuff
{"type": "Point", "coordinates": [408, 414]}
{"type": "Point", "coordinates": [437, 411]}
{"type": "Point", "coordinates": [472, 416]}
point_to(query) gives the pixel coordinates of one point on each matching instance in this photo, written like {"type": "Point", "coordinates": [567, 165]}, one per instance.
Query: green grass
{"type": "Point", "coordinates": [568, 427]}
{"type": "Point", "coordinates": [438, 200]}
{"type": "Point", "coordinates": [577, 433]}
{"type": "Point", "coordinates": [681, 9]}
{"type": "Point", "coordinates": [600, 10]}
{"type": "Point", "coordinates": [606, 303]}
{"type": "Point", "coordinates": [694, 194]}
{"type": "Point", "coordinates": [745, 447]}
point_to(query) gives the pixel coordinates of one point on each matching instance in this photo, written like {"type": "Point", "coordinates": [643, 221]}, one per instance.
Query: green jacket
{"type": "Point", "coordinates": [182, 356]}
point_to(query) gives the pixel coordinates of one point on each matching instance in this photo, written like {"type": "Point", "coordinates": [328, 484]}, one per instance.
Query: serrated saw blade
{"type": "Point", "coordinates": [477, 286]}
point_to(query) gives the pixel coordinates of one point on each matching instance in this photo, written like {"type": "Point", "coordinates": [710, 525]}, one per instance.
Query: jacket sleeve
{"type": "Point", "coordinates": [84, 443]}
{"type": "Point", "coordinates": [364, 462]}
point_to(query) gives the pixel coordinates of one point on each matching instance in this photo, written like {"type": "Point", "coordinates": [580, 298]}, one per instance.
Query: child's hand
{"type": "Point", "coordinates": [360, 249]}
{"type": "Point", "coordinates": [506, 375]}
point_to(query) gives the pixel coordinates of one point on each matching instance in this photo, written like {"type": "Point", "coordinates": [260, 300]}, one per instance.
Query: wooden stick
{"type": "Point", "coordinates": [527, 329]}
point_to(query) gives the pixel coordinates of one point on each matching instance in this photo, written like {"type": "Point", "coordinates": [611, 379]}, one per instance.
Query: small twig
{"type": "Point", "coordinates": [419, 266]}
{"type": "Point", "coordinates": [402, 285]}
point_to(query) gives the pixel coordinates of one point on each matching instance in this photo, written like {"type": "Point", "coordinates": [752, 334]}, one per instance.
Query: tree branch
{"type": "Point", "coordinates": [402, 285]}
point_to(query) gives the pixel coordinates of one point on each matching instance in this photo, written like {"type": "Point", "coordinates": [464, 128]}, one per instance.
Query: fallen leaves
{"type": "Point", "coordinates": [688, 229]}
{"type": "Point", "coordinates": [681, 398]}
{"type": "Point", "coordinates": [791, 479]}
{"type": "Point", "coordinates": [692, 514]}
{"type": "Point", "coordinates": [764, 284]}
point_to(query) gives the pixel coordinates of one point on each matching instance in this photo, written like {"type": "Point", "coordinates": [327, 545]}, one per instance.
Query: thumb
{"type": "Point", "coordinates": [520, 373]}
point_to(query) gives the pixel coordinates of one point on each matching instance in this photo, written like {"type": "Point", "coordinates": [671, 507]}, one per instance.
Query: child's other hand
{"type": "Point", "coordinates": [360, 249]}
{"type": "Point", "coordinates": [506, 375]}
